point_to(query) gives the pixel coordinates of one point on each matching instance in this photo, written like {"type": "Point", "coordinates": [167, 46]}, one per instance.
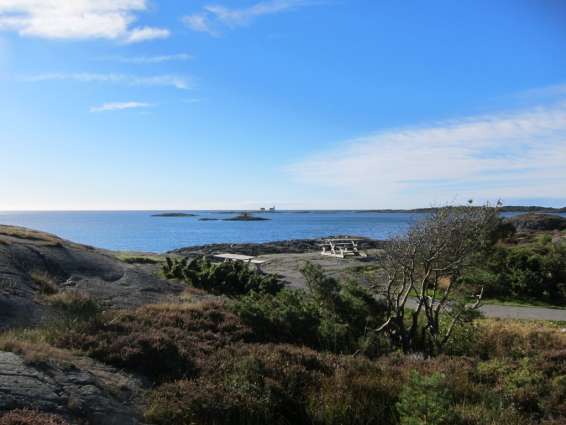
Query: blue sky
{"type": "Point", "coordinates": [138, 104]}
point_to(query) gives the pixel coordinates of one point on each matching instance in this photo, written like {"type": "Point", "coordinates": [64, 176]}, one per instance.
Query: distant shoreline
{"type": "Point", "coordinates": [509, 208]}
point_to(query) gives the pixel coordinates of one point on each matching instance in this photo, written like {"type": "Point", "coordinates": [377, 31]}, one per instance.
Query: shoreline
{"type": "Point", "coordinates": [288, 246]}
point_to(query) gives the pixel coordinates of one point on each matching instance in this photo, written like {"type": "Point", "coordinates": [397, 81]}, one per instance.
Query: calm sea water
{"type": "Point", "coordinates": [139, 231]}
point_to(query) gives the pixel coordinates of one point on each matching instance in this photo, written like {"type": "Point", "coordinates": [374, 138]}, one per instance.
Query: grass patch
{"type": "Point", "coordinates": [29, 235]}
{"type": "Point", "coordinates": [46, 283]}
{"type": "Point", "coordinates": [139, 258]}
{"type": "Point", "coordinates": [34, 347]}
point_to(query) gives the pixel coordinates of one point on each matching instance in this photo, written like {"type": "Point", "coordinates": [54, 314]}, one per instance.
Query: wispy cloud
{"type": "Point", "coordinates": [77, 19]}
{"type": "Point", "coordinates": [179, 82]}
{"type": "Point", "coordinates": [213, 19]}
{"type": "Point", "coordinates": [141, 60]}
{"type": "Point", "coordinates": [119, 106]}
{"type": "Point", "coordinates": [557, 90]}
{"type": "Point", "coordinates": [514, 155]}
{"type": "Point", "coordinates": [146, 33]}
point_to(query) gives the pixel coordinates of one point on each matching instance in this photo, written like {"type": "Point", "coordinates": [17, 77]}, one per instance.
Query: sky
{"type": "Point", "coordinates": [301, 104]}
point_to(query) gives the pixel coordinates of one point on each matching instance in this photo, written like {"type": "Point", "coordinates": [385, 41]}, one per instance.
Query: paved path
{"type": "Point", "coordinates": [531, 313]}
{"type": "Point", "coordinates": [289, 265]}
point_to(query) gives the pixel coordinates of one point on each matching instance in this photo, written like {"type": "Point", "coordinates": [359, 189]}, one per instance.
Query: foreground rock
{"type": "Point", "coordinates": [537, 222]}
{"type": "Point", "coordinates": [294, 246]}
{"type": "Point", "coordinates": [93, 392]}
{"type": "Point", "coordinates": [35, 264]}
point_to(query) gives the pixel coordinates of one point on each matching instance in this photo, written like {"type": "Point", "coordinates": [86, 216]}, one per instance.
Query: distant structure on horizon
{"type": "Point", "coordinates": [271, 209]}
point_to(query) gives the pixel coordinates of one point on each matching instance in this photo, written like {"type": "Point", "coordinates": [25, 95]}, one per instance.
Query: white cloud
{"type": "Point", "coordinates": [146, 33]}
{"type": "Point", "coordinates": [512, 155]}
{"type": "Point", "coordinates": [214, 17]}
{"type": "Point", "coordinates": [119, 106]}
{"type": "Point", "coordinates": [77, 19]}
{"type": "Point", "coordinates": [200, 22]}
{"type": "Point", "coordinates": [140, 60]}
{"type": "Point", "coordinates": [176, 81]}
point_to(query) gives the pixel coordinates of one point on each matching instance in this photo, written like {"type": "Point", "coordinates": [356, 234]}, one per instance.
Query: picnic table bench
{"type": "Point", "coordinates": [243, 258]}
{"type": "Point", "coordinates": [341, 248]}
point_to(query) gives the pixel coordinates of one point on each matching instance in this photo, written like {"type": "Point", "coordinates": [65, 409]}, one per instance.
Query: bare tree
{"type": "Point", "coordinates": [423, 267]}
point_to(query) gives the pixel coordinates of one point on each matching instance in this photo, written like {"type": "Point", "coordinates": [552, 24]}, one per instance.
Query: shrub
{"type": "Point", "coordinates": [287, 317]}
{"type": "Point", "coordinates": [167, 341]}
{"type": "Point", "coordinates": [424, 400]}
{"type": "Point", "coordinates": [244, 385]}
{"type": "Point", "coordinates": [30, 417]}
{"type": "Point", "coordinates": [228, 278]}
{"type": "Point", "coordinates": [533, 271]}
{"type": "Point", "coordinates": [357, 393]}
{"type": "Point", "coordinates": [328, 316]}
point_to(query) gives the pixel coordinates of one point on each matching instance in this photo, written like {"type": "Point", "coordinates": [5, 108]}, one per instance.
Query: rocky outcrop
{"type": "Point", "coordinates": [33, 264]}
{"type": "Point", "coordinates": [87, 391]}
{"type": "Point", "coordinates": [295, 246]}
{"type": "Point", "coordinates": [538, 222]}
{"type": "Point", "coordinates": [246, 217]}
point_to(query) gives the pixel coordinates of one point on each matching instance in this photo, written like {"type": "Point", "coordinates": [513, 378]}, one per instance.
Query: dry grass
{"type": "Point", "coordinates": [29, 235]}
{"type": "Point", "coordinates": [30, 417]}
{"type": "Point", "coordinates": [32, 345]}
{"type": "Point", "coordinates": [47, 284]}
{"type": "Point", "coordinates": [139, 258]}
{"type": "Point", "coordinates": [160, 341]}
{"type": "Point", "coordinates": [516, 338]}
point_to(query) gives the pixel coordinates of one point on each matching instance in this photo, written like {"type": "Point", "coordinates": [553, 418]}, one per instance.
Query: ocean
{"type": "Point", "coordinates": [139, 231]}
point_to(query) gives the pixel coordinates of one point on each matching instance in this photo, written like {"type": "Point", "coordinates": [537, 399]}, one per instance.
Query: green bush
{"type": "Point", "coordinates": [327, 316]}
{"type": "Point", "coordinates": [228, 278]}
{"type": "Point", "coordinates": [424, 400]}
{"type": "Point", "coordinates": [534, 271]}
{"type": "Point", "coordinates": [290, 316]}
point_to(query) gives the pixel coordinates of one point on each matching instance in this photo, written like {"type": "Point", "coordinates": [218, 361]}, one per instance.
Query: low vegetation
{"type": "Point", "coordinates": [326, 316]}
{"type": "Point", "coordinates": [30, 417]}
{"type": "Point", "coordinates": [533, 271]}
{"type": "Point", "coordinates": [161, 341]}
{"type": "Point", "coordinates": [227, 278]}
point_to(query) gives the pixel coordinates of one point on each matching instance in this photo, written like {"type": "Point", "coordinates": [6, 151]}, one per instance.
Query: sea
{"type": "Point", "coordinates": [142, 231]}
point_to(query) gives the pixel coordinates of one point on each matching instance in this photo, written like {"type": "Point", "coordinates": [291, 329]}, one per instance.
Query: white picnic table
{"type": "Point", "coordinates": [244, 258]}
{"type": "Point", "coordinates": [341, 248]}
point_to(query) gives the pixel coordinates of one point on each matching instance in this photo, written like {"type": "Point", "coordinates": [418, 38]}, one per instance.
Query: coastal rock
{"type": "Point", "coordinates": [294, 246]}
{"type": "Point", "coordinates": [246, 217]}
{"type": "Point", "coordinates": [93, 392]}
{"type": "Point", "coordinates": [537, 222]}
{"type": "Point", "coordinates": [173, 214]}
{"type": "Point", "coordinates": [35, 264]}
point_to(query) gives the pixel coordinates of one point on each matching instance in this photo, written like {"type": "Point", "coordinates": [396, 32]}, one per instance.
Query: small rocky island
{"type": "Point", "coordinates": [246, 217]}
{"type": "Point", "coordinates": [173, 214]}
